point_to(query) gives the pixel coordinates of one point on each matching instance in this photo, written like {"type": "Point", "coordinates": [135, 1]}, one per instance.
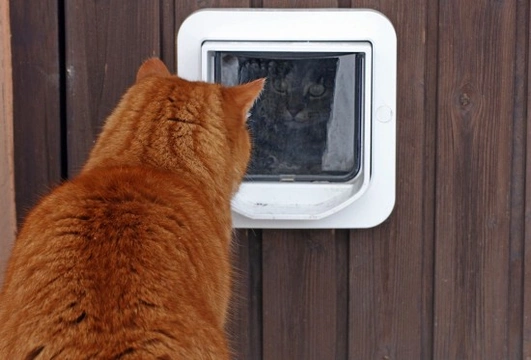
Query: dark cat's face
{"type": "Point", "coordinates": [289, 122]}
{"type": "Point", "coordinates": [298, 93]}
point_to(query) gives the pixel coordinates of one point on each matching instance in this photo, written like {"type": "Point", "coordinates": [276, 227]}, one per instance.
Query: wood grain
{"type": "Point", "coordinates": [391, 277]}
{"type": "Point", "coordinates": [305, 294]}
{"type": "Point", "coordinates": [36, 99]}
{"type": "Point", "coordinates": [474, 151]}
{"type": "Point", "coordinates": [515, 295]}
{"type": "Point", "coordinates": [245, 318]}
{"type": "Point", "coordinates": [168, 34]}
{"type": "Point", "coordinates": [300, 4]}
{"type": "Point", "coordinates": [106, 41]}
{"type": "Point", "coordinates": [526, 256]}
{"type": "Point", "coordinates": [8, 223]}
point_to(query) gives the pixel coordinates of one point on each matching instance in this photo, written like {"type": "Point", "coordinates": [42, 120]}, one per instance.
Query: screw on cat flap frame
{"type": "Point", "coordinates": [324, 128]}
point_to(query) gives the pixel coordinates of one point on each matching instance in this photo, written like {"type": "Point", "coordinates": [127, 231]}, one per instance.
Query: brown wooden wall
{"type": "Point", "coordinates": [448, 276]}
{"type": "Point", "coordinates": [7, 180]}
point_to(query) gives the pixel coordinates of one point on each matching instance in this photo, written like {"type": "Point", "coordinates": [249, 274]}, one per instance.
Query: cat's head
{"type": "Point", "coordinates": [176, 125]}
{"type": "Point", "coordinates": [299, 93]}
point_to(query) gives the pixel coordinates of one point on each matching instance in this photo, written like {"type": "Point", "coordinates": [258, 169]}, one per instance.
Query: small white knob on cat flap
{"type": "Point", "coordinates": [384, 114]}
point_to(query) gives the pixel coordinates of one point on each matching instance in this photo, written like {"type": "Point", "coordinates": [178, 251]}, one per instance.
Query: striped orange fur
{"type": "Point", "coordinates": [130, 259]}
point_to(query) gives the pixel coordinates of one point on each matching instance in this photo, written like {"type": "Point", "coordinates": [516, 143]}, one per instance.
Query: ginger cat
{"type": "Point", "coordinates": [130, 259]}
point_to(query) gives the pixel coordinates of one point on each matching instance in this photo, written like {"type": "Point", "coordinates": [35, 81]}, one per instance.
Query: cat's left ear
{"type": "Point", "coordinates": [152, 67]}
{"type": "Point", "coordinates": [244, 96]}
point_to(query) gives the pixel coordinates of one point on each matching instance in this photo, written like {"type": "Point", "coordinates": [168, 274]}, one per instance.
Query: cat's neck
{"type": "Point", "coordinates": [216, 189]}
{"type": "Point", "coordinates": [121, 144]}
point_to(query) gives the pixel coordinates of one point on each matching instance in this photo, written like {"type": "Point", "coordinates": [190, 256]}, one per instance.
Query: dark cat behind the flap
{"type": "Point", "coordinates": [290, 122]}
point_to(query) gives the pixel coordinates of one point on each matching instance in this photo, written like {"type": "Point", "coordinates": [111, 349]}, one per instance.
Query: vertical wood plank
{"type": "Point", "coordinates": [168, 48]}
{"type": "Point", "coordinates": [518, 187]}
{"type": "Point", "coordinates": [244, 325]}
{"type": "Point", "coordinates": [36, 94]}
{"type": "Point", "coordinates": [391, 277]}
{"type": "Point", "coordinates": [305, 294]}
{"type": "Point", "coordinates": [475, 128]}
{"type": "Point", "coordinates": [526, 323]}
{"type": "Point", "coordinates": [429, 179]}
{"type": "Point", "coordinates": [106, 41]}
{"type": "Point", "coordinates": [7, 181]}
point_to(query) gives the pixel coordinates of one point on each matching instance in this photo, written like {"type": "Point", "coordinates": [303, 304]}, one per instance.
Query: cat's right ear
{"type": "Point", "coordinates": [152, 67]}
{"type": "Point", "coordinates": [244, 96]}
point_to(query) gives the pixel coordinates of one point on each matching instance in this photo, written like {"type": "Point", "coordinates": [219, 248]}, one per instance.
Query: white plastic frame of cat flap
{"type": "Point", "coordinates": [363, 201]}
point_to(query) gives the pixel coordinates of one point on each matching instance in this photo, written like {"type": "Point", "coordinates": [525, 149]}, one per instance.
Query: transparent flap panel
{"type": "Point", "coordinates": [306, 126]}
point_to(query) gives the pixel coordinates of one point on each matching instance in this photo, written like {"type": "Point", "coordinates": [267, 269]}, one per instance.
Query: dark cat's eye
{"type": "Point", "coordinates": [280, 86]}
{"type": "Point", "coordinates": [317, 90]}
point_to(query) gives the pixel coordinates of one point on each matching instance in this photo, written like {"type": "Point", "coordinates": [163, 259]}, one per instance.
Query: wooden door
{"type": "Point", "coordinates": [447, 276]}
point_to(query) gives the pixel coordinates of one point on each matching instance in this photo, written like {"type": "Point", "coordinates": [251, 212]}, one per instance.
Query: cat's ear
{"type": "Point", "coordinates": [152, 67]}
{"type": "Point", "coordinates": [244, 96]}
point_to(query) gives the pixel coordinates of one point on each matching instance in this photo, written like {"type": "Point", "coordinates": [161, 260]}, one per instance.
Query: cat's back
{"type": "Point", "coordinates": [116, 264]}
{"type": "Point", "coordinates": [130, 260]}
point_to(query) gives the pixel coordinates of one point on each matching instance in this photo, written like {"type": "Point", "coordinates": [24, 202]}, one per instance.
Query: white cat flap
{"type": "Point", "coordinates": [324, 128]}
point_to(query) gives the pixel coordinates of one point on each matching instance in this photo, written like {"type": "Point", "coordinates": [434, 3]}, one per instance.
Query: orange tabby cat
{"type": "Point", "coordinates": [130, 260]}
